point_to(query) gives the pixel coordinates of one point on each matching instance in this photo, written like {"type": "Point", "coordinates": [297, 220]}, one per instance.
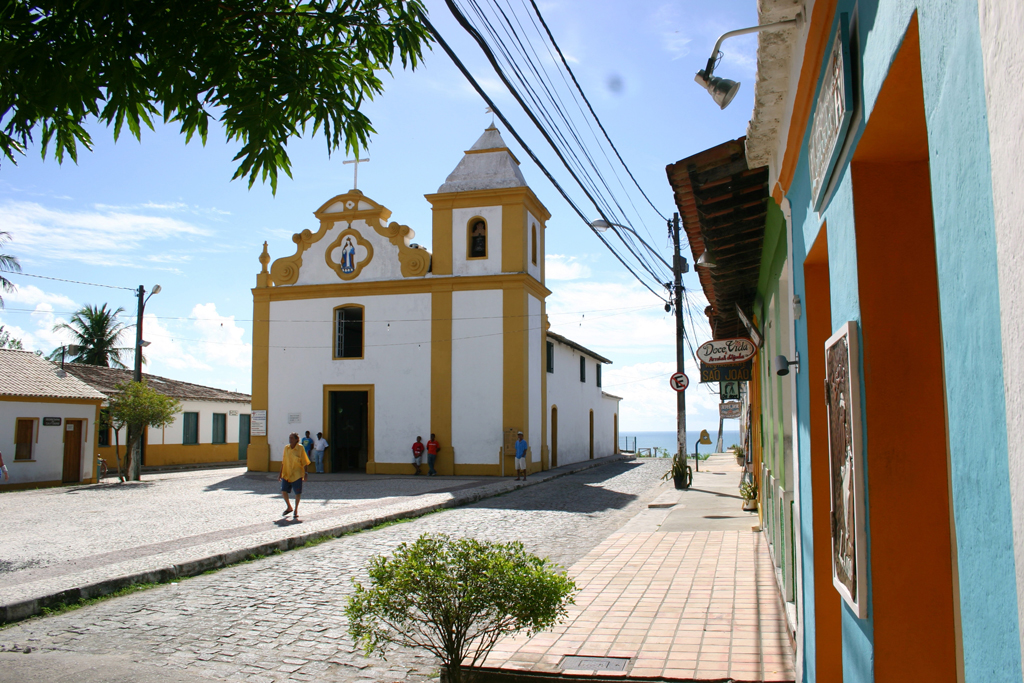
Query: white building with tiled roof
{"type": "Point", "coordinates": [48, 421]}
{"type": "Point", "coordinates": [212, 427]}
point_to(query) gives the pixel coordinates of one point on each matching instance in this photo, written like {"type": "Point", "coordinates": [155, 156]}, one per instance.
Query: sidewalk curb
{"type": "Point", "coordinates": [18, 611]}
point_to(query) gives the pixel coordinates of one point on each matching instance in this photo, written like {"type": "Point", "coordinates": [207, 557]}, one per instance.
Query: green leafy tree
{"type": "Point", "coordinates": [455, 597]}
{"type": "Point", "coordinates": [266, 69]}
{"type": "Point", "coordinates": [9, 342]}
{"type": "Point", "coordinates": [136, 406]}
{"type": "Point", "coordinates": [96, 333]}
{"type": "Point", "coordinates": [8, 263]}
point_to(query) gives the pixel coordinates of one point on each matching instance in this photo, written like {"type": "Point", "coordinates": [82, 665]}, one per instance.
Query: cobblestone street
{"type": "Point", "coordinates": [281, 618]}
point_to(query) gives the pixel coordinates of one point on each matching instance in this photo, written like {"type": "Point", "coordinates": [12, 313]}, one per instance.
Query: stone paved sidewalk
{"type": "Point", "coordinates": [685, 593]}
{"type": "Point", "coordinates": [68, 543]}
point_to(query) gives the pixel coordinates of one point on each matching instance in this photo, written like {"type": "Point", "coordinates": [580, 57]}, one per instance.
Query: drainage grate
{"type": "Point", "coordinates": [594, 663]}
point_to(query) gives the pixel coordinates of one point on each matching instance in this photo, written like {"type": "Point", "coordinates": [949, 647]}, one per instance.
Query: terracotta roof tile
{"type": "Point", "coordinates": [105, 379]}
{"type": "Point", "coordinates": [25, 374]}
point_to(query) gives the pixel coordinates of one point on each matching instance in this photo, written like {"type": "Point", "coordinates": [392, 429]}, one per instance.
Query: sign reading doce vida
{"type": "Point", "coordinates": [730, 410]}
{"type": "Point", "coordinates": [726, 351]}
{"type": "Point", "coordinates": [258, 424]}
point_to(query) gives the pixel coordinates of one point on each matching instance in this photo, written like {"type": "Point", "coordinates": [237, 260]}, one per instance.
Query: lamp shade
{"type": "Point", "coordinates": [600, 225]}
{"type": "Point", "coordinates": [706, 260]}
{"type": "Point", "coordinates": [722, 90]}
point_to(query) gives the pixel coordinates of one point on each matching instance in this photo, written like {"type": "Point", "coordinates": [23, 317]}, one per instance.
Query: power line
{"type": "Point", "coordinates": [476, 86]}
{"type": "Point", "coordinates": [76, 282]}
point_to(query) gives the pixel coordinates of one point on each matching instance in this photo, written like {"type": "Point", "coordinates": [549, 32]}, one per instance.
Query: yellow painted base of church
{"type": "Point", "coordinates": [162, 455]}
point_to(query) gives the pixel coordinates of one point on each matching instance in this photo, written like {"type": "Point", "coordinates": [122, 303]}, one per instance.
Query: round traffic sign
{"type": "Point", "coordinates": [679, 381]}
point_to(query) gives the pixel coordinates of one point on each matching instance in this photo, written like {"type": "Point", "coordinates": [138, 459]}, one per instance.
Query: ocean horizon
{"type": "Point", "coordinates": [667, 440]}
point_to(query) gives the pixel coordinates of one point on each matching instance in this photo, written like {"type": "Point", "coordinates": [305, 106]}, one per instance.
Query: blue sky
{"type": "Point", "coordinates": [161, 211]}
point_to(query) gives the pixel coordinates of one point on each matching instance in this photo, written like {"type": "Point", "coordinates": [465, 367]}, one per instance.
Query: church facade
{"type": "Point", "coordinates": [373, 340]}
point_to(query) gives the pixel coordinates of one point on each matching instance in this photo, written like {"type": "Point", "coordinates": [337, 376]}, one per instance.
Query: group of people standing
{"type": "Point", "coordinates": [432, 447]}
{"type": "Point", "coordinates": [315, 449]}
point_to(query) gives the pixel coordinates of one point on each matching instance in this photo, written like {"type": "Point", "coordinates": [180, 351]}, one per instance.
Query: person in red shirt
{"type": "Point", "coordinates": [417, 454]}
{"type": "Point", "coordinates": [432, 448]}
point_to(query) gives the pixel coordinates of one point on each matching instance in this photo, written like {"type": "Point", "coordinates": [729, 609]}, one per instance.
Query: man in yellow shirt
{"type": "Point", "coordinates": [293, 473]}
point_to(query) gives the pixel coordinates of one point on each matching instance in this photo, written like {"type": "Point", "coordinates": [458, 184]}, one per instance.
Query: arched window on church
{"type": "Point", "coordinates": [476, 238]}
{"type": "Point", "coordinates": [348, 325]}
{"type": "Point", "coordinates": [533, 248]}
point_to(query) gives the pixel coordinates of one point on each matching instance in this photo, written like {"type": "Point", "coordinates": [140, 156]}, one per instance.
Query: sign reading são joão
{"type": "Point", "coordinates": [726, 351]}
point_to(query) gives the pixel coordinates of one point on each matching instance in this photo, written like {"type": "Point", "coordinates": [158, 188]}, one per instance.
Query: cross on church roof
{"type": "Point", "coordinates": [355, 171]}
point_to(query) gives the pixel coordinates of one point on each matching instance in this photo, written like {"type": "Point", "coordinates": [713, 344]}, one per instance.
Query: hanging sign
{"type": "Point", "coordinates": [729, 390]}
{"type": "Point", "coordinates": [726, 351]}
{"type": "Point", "coordinates": [730, 411]}
{"type": "Point", "coordinates": [679, 381]}
{"type": "Point", "coordinates": [832, 114]}
{"type": "Point", "coordinates": [724, 373]}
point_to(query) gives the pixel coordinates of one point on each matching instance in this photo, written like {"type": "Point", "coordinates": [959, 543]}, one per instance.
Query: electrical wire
{"type": "Point", "coordinates": [74, 282]}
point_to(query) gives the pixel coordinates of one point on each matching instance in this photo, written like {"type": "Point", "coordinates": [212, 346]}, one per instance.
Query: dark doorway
{"type": "Point", "coordinates": [243, 436]}
{"type": "Point", "coordinates": [554, 436]}
{"type": "Point", "coordinates": [349, 436]}
{"type": "Point", "coordinates": [72, 451]}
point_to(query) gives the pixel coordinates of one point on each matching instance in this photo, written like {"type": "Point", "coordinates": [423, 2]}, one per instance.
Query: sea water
{"type": "Point", "coordinates": [667, 440]}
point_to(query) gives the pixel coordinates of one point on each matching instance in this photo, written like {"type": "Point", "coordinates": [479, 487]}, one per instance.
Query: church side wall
{"type": "Point", "coordinates": [491, 265]}
{"type": "Point", "coordinates": [574, 400]}
{"type": "Point", "coordinates": [536, 366]}
{"type": "Point", "coordinates": [396, 361]}
{"type": "Point", "coordinates": [477, 372]}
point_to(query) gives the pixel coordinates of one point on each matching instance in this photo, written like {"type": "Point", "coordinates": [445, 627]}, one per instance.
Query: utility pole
{"type": "Point", "coordinates": [679, 266]}
{"type": "Point", "coordinates": [138, 334]}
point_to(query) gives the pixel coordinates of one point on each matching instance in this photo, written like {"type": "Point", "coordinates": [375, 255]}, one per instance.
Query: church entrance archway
{"type": "Point", "coordinates": [349, 430]}
{"type": "Point", "coordinates": [554, 436]}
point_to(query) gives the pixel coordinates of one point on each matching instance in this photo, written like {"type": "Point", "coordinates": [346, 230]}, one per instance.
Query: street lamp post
{"type": "Point", "coordinates": [139, 345]}
{"type": "Point", "coordinates": [679, 266]}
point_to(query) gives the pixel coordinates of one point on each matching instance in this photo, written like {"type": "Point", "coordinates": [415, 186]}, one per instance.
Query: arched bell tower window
{"type": "Point", "coordinates": [533, 244]}
{"type": "Point", "coordinates": [476, 239]}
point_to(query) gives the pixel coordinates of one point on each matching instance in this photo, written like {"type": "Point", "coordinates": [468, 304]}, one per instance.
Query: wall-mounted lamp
{"type": "Point", "coordinates": [706, 260]}
{"type": "Point", "coordinates": [723, 90]}
{"type": "Point", "coordinates": [783, 364]}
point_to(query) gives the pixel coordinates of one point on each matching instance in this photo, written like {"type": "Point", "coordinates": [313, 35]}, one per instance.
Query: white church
{"type": "Point", "coordinates": [373, 340]}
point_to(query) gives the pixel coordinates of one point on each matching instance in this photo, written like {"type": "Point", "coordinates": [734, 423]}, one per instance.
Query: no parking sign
{"type": "Point", "coordinates": [679, 381]}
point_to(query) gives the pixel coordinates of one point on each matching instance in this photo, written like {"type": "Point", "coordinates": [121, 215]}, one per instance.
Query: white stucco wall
{"type": "Point", "coordinates": [174, 433]}
{"type": "Point", "coordinates": [47, 463]}
{"type": "Point", "coordinates": [396, 360]}
{"type": "Point", "coordinates": [1002, 42]}
{"type": "Point", "coordinates": [575, 400]}
{"type": "Point", "coordinates": [535, 374]}
{"type": "Point", "coordinates": [477, 376]}
{"type": "Point", "coordinates": [460, 220]}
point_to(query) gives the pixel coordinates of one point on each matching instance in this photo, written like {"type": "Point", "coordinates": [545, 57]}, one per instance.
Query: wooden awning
{"type": "Point", "coordinates": [723, 205]}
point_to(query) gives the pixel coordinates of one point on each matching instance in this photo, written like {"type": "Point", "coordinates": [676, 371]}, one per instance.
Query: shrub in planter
{"type": "Point", "coordinates": [455, 597]}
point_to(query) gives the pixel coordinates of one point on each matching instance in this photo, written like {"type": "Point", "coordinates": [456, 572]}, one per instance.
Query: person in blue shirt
{"type": "Point", "coordinates": [307, 443]}
{"type": "Point", "coordinates": [521, 447]}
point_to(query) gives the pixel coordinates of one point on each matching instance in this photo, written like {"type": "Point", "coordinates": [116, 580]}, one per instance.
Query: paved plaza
{"type": "Point", "coordinates": [281, 618]}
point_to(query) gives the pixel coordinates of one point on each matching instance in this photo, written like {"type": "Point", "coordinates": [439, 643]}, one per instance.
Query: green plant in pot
{"type": "Point", "coordinates": [748, 492]}
{"type": "Point", "coordinates": [678, 472]}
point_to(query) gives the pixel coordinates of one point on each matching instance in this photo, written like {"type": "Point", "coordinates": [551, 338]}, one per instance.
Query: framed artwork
{"type": "Point", "coordinates": [846, 466]}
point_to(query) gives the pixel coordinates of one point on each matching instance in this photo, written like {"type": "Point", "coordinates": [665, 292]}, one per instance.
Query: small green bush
{"type": "Point", "coordinates": [455, 597]}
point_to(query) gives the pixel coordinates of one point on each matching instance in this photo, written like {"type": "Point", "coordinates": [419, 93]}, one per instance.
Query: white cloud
{"type": "Point", "coordinates": [224, 339]}
{"type": "Point", "coordinates": [649, 403]}
{"type": "Point", "coordinates": [30, 295]}
{"type": "Point", "coordinates": [673, 41]}
{"type": "Point", "coordinates": [105, 236]}
{"type": "Point", "coordinates": [40, 311]}
{"type": "Point", "coordinates": [611, 317]}
{"type": "Point", "coordinates": [561, 267]}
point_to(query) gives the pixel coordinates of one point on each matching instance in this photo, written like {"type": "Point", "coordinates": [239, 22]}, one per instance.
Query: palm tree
{"type": "Point", "coordinates": [96, 332]}
{"type": "Point", "coordinates": [8, 264]}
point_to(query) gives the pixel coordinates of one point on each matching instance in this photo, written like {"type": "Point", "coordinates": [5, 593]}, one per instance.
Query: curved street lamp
{"type": "Point", "coordinates": [139, 344]}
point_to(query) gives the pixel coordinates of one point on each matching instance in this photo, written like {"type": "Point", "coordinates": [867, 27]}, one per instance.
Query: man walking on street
{"type": "Point", "coordinates": [521, 447]}
{"type": "Point", "coordinates": [293, 473]}
{"type": "Point", "coordinates": [319, 446]}
{"type": "Point", "coordinates": [417, 454]}
{"type": "Point", "coordinates": [432, 448]}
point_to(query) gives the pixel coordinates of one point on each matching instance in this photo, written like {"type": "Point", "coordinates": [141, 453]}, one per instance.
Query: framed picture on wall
{"type": "Point", "coordinates": [846, 467]}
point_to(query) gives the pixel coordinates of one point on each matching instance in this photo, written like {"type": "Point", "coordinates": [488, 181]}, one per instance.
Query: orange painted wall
{"type": "Point", "coordinates": [828, 628]}
{"type": "Point", "coordinates": [904, 393]}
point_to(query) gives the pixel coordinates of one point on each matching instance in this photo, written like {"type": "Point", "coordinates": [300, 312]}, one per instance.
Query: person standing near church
{"type": "Point", "coordinates": [521, 447]}
{"type": "Point", "coordinates": [432, 448]}
{"type": "Point", "coordinates": [417, 454]}
{"type": "Point", "coordinates": [319, 446]}
{"type": "Point", "coordinates": [293, 472]}
{"type": "Point", "coordinates": [307, 443]}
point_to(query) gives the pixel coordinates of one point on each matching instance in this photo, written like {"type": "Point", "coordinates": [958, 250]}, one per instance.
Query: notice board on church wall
{"type": "Point", "coordinates": [510, 441]}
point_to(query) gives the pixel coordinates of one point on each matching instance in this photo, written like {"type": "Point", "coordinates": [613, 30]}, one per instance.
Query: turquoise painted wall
{"type": "Point", "coordinates": [965, 243]}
